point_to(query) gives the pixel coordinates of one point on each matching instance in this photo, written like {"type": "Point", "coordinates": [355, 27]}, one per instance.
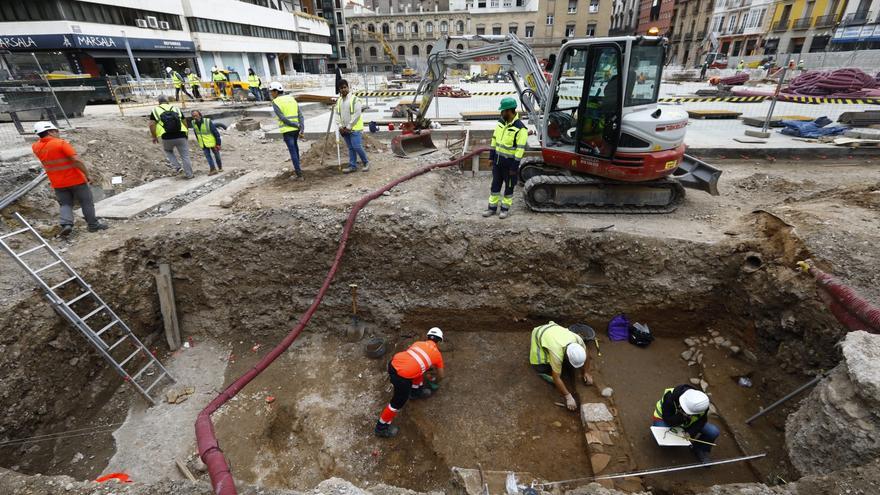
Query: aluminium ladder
{"type": "Point", "coordinates": [114, 340]}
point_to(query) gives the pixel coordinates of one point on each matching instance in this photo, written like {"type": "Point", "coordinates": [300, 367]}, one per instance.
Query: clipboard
{"type": "Point", "coordinates": [665, 438]}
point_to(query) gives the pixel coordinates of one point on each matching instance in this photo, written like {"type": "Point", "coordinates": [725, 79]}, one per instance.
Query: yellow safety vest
{"type": "Point", "coordinates": [290, 109]}
{"type": "Point", "coordinates": [509, 141]}
{"type": "Point", "coordinates": [219, 76]}
{"type": "Point", "coordinates": [193, 79]}
{"type": "Point", "coordinates": [176, 79]}
{"type": "Point", "coordinates": [547, 339]}
{"type": "Point", "coordinates": [359, 125]}
{"type": "Point", "coordinates": [204, 136]}
{"type": "Point", "coordinates": [159, 110]}
{"type": "Point", "coordinates": [254, 81]}
{"type": "Point", "coordinates": [658, 410]}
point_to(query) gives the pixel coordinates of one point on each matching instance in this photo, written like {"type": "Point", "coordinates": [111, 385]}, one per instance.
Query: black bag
{"type": "Point", "coordinates": [640, 335]}
{"type": "Point", "coordinates": [170, 120]}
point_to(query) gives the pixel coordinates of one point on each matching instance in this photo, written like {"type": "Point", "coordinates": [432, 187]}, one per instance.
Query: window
{"type": "Point", "coordinates": [572, 6]}
{"type": "Point", "coordinates": [512, 29]}
{"type": "Point", "coordinates": [493, 3]}
{"type": "Point", "coordinates": [371, 28]}
{"type": "Point", "coordinates": [481, 30]}
{"type": "Point", "coordinates": [357, 52]}
{"type": "Point", "coordinates": [428, 49]}
{"type": "Point", "coordinates": [80, 11]}
{"type": "Point", "coordinates": [591, 29]}
{"type": "Point", "coordinates": [530, 31]}
{"type": "Point", "coordinates": [199, 25]}
{"type": "Point", "coordinates": [386, 29]}
{"type": "Point", "coordinates": [731, 23]}
{"type": "Point", "coordinates": [415, 49]}
{"type": "Point", "coordinates": [414, 28]}
{"type": "Point", "coordinates": [594, 6]}
{"type": "Point", "coordinates": [342, 52]}
{"type": "Point", "coordinates": [401, 50]}
{"type": "Point", "coordinates": [400, 29]}
{"type": "Point", "coordinates": [507, 3]}
{"type": "Point", "coordinates": [444, 27]}
{"type": "Point", "coordinates": [372, 52]}
{"type": "Point", "coordinates": [355, 30]}
{"type": "Point", "coordinates": [481, 4]}
{"type": "Point", "coordinates": [429, 28]}
{"type": "Point", "coordinates": [341, 35]}
{"type": "Point", "coordinates": [569, 30]}
{"type": "Point", "coordinates": [550, 20]}
{"type": "Point", "coordinates": [338, 18]}
{"type": "Point", "coordinates": [647, 62]}
{"type": "Point", "coordinates": [459, 47]}
{"type": "Point", "coordinates": [496, 30]}
{"type": "Point", "coordinates": [459, 27]}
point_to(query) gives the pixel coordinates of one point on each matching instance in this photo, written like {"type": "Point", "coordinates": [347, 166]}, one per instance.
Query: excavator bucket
{"type": "Point", "coordinates": [416, 144]}
{"type": "Point", "coordinates": [697, 174]}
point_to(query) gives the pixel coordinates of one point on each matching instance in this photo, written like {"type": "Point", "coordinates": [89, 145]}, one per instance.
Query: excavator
{"type": "Point", "coordinates": [605, 144]}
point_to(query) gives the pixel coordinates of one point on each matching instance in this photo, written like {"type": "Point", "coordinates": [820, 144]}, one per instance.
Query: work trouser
{"type": "Point", "coordinates": [182, 147]}
{"type": "Point", "coordinates": [355, 143]}
{"type": "Point", "coordinates": [81, 194]}
{"type": "Point", "coordinates": [403, 387]}
{"type": "Point", "coordinates": [177, 91]}
{"type": "Point", "coordinates": [504, 172]}
{"type": "Point", "coordinates": [708, 433]}
{"type": "Point", "coordinates": [221, 89]}
{"type": "Point", "coordinates": [290, 139]}
{"type": "Point", "coordinates": [258, 94]}
{"type": "Point", "coordinates": [196, 93]}
{"type": "Point", "coordinates": [208, 152]}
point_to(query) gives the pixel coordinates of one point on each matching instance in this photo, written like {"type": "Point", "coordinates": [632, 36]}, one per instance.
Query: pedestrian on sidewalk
{"type": "Point", "coordinates": [255, 85]}
{"type": "Point", "coordinates": [67, 175]}
{"type": "Point", "coordinates": [508, 147]}
{"type": "Point", "coordinates": [407, 374]}
{"type": "Point", "coordinates": [290, 122]}
{"type": "Point", "coordinates": [351, 127]}
{"type": "Point", "coordinates": [167, 123]}
{"type": "Point", "coordinates": [194, 83]}
{"type": "Point", "coordinates": [208, 137]}
{"type": "Point", "coordinates": [178, 82]}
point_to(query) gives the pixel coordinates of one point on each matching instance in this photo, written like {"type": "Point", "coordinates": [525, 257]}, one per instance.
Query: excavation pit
{"type": "Point", "coordinates": [310, 416]}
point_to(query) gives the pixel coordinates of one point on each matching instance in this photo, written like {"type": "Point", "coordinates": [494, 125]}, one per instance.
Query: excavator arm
{"type": "Point", "coordinates": [385, 47]}
{"type": "Point", "coordinates": [515, 58]}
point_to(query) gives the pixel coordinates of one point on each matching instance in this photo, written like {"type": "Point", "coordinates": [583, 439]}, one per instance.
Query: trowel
{"type": "Point", "coordinates": [356, 330]}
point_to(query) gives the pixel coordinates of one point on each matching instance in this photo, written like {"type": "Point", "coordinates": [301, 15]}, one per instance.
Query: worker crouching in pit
{"type": "Point", "coordinates": [407, 371]}
{"type": "Point", "coordinates": [552, 346]}
{"type": "Point", "coordinates": [688, 408]}
{"type": "Point", "coordinates": [508, 147]}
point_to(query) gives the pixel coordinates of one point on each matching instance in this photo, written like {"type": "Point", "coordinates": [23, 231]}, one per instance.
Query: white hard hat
{"type": "Point", "coordinates": [694, 402]}
{"type": "Point", "coordinates": [436, 332]}
{"type": "Point", "coordinates": [167, 69]}
{"type": "Point", "coordinates": [214, 69]}
{"type": "Point", "coordinates": [577, 355]}
{"type": "Point", "coordinates": [44, 126]}
{"type": "Point", "coordinates": [275, 86]}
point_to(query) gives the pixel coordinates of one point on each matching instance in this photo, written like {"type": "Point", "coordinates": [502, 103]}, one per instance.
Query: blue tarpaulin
{"type": "Point", "coordinates": [814, 129]}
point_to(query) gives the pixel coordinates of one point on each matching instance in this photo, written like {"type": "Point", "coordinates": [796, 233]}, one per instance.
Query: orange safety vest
{"type": "Point", "coordinates": [415, 361]}
{"type": "Point", "coordinates": [55, 155]}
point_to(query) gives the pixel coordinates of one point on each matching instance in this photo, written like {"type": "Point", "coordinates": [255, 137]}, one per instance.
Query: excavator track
{"type": "Point", "coordinates": [585, 194]}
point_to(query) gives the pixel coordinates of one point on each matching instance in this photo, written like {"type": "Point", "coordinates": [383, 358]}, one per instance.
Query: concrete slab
{"type": "Point", "coordinates": [208, 206]}
{"type": "Point", "coordinates": [142, 198]}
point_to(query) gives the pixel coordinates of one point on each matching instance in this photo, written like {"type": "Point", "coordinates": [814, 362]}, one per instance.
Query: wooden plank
{"type": "Point", "coordinates": [713, 114]}
{"type": "Point", "coordinates": [185, 470]}
{"type": "Point", "coordinates": [775, 121]}
{"type": "Point", "coordinates": [168, 306]}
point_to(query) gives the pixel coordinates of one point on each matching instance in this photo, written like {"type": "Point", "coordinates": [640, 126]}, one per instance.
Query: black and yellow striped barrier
{"type": "Point", "coordinates": [812, 100]}
{"type": "Point", "coordinates": [375, 94]}
{"type": "Point", "coordinates": [701, 99]}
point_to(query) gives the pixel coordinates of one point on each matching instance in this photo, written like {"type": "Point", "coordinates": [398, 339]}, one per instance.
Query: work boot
{"type": "Point", "coordinates": [420, 393]}
{"type": "Point", "coordinates": [366, 168]}
{"type": "Point", "coordinates": [299, 175]}
{"type": "Point", "coordinates": [701, 455]}
{"type": "Point", "coordinates": [488, 213]}
{"type": "Point", "coordinates": [504, 214]}
{"type": "Point", "coordinates": [65, 230]}
{"type": "Point", "coordinates": [350, 170]}
{"type": "Point", "coordinates": [97, 227]}
{"type": "Point", "coordinates": [212, 172]}
{"type": "Point", "coordinates": [386, 430]}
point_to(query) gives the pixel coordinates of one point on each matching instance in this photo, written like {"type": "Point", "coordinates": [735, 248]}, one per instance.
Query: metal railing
{"type": "Point", "coordinates": [688, 36]}
{"type": "Point", "coordinates": [802, 23]}
{"type": "Point", "coordinates": [676, 37]}
{"type": "Point", "coordinates": [781, 25]}
{"type": "Point", "coordinates": [856, 18]}
{"type": "Point", "coordinates": [826, 21]}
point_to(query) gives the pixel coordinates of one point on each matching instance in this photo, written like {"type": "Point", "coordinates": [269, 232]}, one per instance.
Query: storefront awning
{"type": "Point", "coordinates": [138, 54]}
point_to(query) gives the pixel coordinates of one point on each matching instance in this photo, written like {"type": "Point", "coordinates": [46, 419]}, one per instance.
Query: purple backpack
{"type": "Point", "coordinates": [618, 328]}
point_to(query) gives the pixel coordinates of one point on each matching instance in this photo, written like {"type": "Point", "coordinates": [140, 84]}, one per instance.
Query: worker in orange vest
{"type": "Point", "coordinates": [407, 373]}
{"type": "Point", "coordinates": [68, 176]}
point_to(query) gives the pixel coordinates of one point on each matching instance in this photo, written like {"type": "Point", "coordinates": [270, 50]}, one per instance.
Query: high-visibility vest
{"type": "Point", "coordinates": [359, 125]}
{"type": "Point", "coordinates": [176, 79]}
{"type": "Point", "coordinates": [658, 410]}
{"type": "Point", "coordinates": [193, 79]}
{"type": "Point", "coordinates": [57, 162]}
{"type": "Point", "coordinates": [509, 139]}
{"type": "Point", "coordinates": [204, 136]}
{"type": "Point", "coordinates": [547, 339]}
{"type": "Point", "coordinates": [290, 109]}
{"type": "Point", "coordinates": [219, 76]}
{"type": "Point", "coordinates": [417, 359]}
{"type": "Point", "coordinates": [254, 81]}
{"type": "Point", "coordinates": [159, 110]}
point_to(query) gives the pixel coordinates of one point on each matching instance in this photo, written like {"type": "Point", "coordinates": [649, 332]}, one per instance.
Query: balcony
{"type": "Point", "coordinates": [826, 21]}
{"type": "Point", "coordinates": [739, 30]}
{"type": "Point", "coordinates": [802, 23]}
{"type": "Point", "coordinates": [701, 35]}
{"type": "Point", "coordinates": [781, 25]}
{"type": "Point", "coordinates": [689, 36]}
{"type": "Point", "coordinates": [856, 18]}
{"type": "Point", "coordinates": [676, 37]}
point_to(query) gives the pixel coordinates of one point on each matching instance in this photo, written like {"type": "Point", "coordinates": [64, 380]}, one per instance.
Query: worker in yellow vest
{"type": "Point", "coordinates": [255, 85]}
{"type": "Point", "coordinates": [194, 83]}
{"type": "Point", "coordinates": [208, 137]}
{"type": "Point", "coordinates": [687, 408]}
{"type": "Point", "coordinates": [219, 79]}
{"type": "Point", "coordinates": [177, 81]}
{"type": "Point", "coordinates": [351, 126]}
{"type": "Point", "coordinates": [551, 347]}
{"type": "Point", "coordinates": [508, 147]}
{"type": "Point", "coordinates": [290, 122]}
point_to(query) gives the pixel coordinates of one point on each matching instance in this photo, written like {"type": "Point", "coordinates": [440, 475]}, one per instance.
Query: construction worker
{"type": "Point", "coordinates": [290, 121]}
{"type": "Point", "coordinates": [194, 83]}
{"type": "Point", "coordinates": [688, 408]}
{"type": "Point", "coordinates": [67, 175]}
{"type": "Point", "coordinates": [219, 79]}
{"type": "Point", "coordinates": [741, 65]}
{"type": "Point", "coordinates": [208, 137]}
{"type": "Point", "coordinates": [551, 347]}
{"type": "Point", "coordinates": [407, 374]}
{"type": "Point", "coordinates": [178, 81]}
{"type": "Point", "coordinates": [508, 147]}
{"type": "Point", "coordinates": [255, 85]}
{"type": "Point", "coordinates": [167, 123]}
{"type": "Point", "coordinates": [801, 65]}
{"type": "Point", "coordinates": [351, 127]}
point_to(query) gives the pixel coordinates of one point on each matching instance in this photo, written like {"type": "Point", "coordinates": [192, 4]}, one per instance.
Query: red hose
{"type": "Point", "coordinates": [851, 310]}
{"type": "Point", "coordinates": [206, 438]}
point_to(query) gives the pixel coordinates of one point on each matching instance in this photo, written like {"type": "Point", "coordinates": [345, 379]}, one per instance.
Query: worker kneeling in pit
{"type": "Point", "coordinates": [688, 408]}
{"type": "Point", "coordinates": [552, 346]}
{"type": "Point", "coordinates": [407, 371]}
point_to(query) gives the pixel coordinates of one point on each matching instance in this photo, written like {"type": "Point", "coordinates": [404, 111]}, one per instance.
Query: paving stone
{"type": "Point", "coordinates": [599, 462]}
{"type": "Point", "coordinates": [595, 411]}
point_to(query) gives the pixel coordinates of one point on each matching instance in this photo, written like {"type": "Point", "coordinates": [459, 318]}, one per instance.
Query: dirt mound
{"type": "Point", "coordinates": [768, 183]}
{"type": "Point", "coordinates": [327, 148]}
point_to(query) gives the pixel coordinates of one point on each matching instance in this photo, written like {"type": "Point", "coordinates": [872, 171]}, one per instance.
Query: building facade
{"type": "Point", "coordinates": [624, 17]}
{"type": "Point", "coordinates": [804, 26]}
{"type": "Point", "coordinates": [566, 19]}
{"type": "Point", "coordinates": [94, 37]}
{"type": "Point", "coordinates": [689, 36]}
{"type": "Point", "coordinates": [333, 12]}
{"type": "Point", "coordinates": [655, 14]}
{"type": "Point", "coordinates": [859, 27]}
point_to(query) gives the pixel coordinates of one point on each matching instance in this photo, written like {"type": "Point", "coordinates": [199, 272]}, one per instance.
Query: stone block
{"type": "Point", "coordinates": [595, 412]}
{"type": "Point", "coordinates": [599, 462]}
